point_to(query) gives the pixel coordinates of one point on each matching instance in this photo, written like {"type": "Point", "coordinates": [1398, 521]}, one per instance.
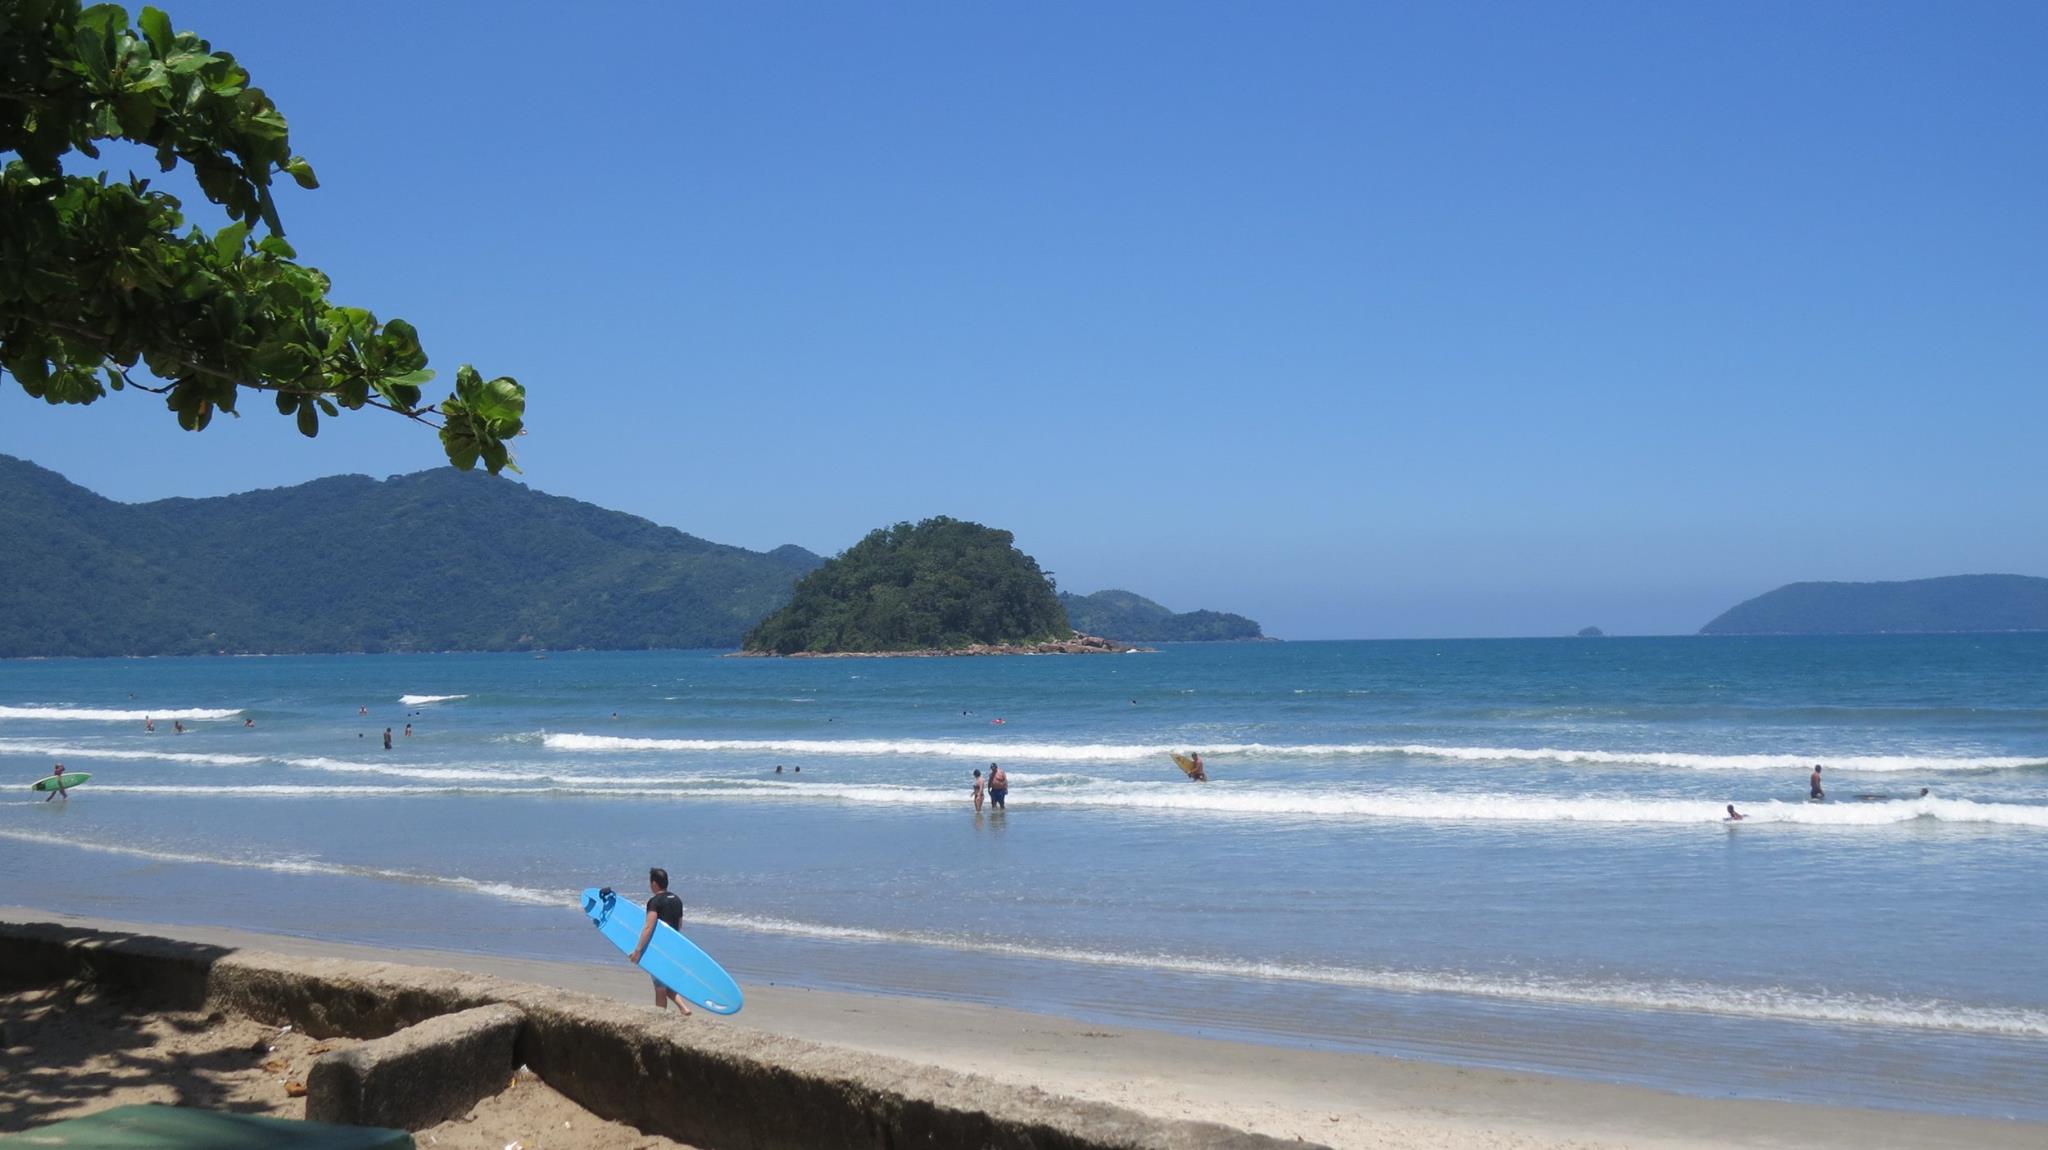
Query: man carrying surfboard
{"type": "Point", "coordinates": [57, 773]}
{"type": "Point", "coordinates": [666, 907]}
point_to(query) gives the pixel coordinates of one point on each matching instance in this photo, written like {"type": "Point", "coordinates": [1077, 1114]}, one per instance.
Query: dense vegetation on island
{"type": "Point", "coordinates": [939, 584]}
{"type": "Point", "coordinates": [1948, 604]}
{"type": "Point", "coordinates": [1591, 633]}
{"type": "Point", "coordinates": [441, 560]}
{"type": "Point", "coordinates": [108, 285]}
{"type": "Point", "coordinates": [1136, 619]}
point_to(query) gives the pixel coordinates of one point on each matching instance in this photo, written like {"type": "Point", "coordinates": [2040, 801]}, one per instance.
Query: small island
{"type": "Point", "coordinates": [1592, 633]}
{"type": "Point", "coordinates": [934, 588]}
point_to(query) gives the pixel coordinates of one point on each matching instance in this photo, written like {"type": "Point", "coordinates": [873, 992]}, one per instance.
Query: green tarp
{"type": "Point", "coordinates": [176, 1128]}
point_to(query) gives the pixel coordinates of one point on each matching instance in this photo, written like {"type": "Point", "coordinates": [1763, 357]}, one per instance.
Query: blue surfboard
{"type": "Point", "coordinates": [673, 960]}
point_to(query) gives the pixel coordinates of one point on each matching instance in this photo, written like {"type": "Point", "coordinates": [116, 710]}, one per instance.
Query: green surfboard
{"type": "Point", "coordinates": [52, 782]}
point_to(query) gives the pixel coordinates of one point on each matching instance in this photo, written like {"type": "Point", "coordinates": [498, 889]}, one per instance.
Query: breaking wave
{"type": "Point", "coordinates": [422, 700]}
{"type": "Point", "coordinates": [1129, 752]}
{"type": "Point", "coordinates": [102, 715]}
{"type": "Point", "coordinates": [1434, 807]}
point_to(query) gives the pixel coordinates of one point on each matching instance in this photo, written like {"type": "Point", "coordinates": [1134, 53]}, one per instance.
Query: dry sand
{"type": "Point", "coordinates": [1349, 1101]}
{"type": "Point", "coordinates": [66, 1053]}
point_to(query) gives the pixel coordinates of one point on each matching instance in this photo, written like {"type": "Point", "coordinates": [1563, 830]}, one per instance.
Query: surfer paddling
{"type": "Point", "coordinates": [1734, 816]}
{"type": "Point", "coordinates": [662, 907]}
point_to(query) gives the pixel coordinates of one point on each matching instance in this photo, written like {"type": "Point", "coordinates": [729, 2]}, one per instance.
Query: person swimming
{"type": "Point", "coordinates": [1734, 816]}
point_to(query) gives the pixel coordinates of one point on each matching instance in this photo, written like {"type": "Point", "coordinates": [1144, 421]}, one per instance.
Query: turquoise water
{"type": "Point", "coordinates": [1506, 853]}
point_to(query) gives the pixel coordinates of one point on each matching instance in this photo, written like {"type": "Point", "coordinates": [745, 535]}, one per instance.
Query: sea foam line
{"type": "Point", "coordinates": [53, 751]}
{"type": "Point", "coordinates": [1129, 752]}
{"type": "Point", "coordinates": [503, 891]}
{"type": "Point", "coordinates": [1172, 799]}
{"type": "Point", "coordinates": [422, 700]}
{"type": "Point", "coordinates": [1764, 1003]}
{"type": "Point", "coordinates": [101, 715]}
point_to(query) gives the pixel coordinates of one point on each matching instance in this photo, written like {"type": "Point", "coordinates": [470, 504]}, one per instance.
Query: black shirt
{"type": "Point", "coordinates": [668, 907]}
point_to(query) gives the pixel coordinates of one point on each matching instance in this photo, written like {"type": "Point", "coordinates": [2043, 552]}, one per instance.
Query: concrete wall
{"type": "Point", "coordinates": [719, 1088]}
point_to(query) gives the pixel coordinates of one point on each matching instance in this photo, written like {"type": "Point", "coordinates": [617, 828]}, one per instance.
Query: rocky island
{"type": "Point", "coordinates": [939, 587]}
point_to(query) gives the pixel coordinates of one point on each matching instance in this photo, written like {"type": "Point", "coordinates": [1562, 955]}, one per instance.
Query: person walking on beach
{"type": "Point", "coordinates": [57, 773]}
{"type": "Point", "coordinates": [387, 738]}
{"type": "Point", "coordinates": [662, 907]}
{"type": "Point", "coordinates": [978, 785]}
{"type": "Point", "coordinates": [1813, 790]}
{"type": "Point", "coordinates": [998, 786]}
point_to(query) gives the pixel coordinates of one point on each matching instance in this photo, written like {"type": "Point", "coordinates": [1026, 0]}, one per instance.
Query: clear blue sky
{"type": "Point", "coordinates": [1362, 319]}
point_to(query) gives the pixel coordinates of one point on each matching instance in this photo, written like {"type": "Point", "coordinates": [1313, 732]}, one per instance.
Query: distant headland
{"type": "Point", "coordinates": [1134, 618]}
{"type": "Point", "coordinates": [1950, 604]}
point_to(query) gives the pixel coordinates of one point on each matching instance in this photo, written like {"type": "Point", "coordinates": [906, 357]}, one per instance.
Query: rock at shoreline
{"type": "Point", "coordinates": [1078, 645]}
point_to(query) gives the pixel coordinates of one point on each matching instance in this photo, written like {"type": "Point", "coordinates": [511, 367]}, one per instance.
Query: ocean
{"type": "Point", "coordinates": [1505, 853]}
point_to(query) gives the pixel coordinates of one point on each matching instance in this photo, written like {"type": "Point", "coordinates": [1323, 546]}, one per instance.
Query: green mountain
{"type": "Point", "coordinates": [1951, 603]}
{"type": "Point", "coordinates": [942, 583]}
{"type": "Point", "coordinates": [441, 560]}
{"type": "Point", "coordinates": [1136, 619]}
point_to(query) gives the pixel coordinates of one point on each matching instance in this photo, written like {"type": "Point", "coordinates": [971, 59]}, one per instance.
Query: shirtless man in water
{"type": "Point", "coordinates": [1813, 790]}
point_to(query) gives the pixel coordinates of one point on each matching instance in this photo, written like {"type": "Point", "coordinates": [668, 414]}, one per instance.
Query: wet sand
{"type": "Point", "coordinates": [1349, 1101]}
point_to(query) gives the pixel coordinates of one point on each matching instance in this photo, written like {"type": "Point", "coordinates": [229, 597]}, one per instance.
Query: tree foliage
{"type": "Point", "coordinates": [268, 571]}
{"type": "Point", "coordinates": [941, 583]}
{"type": "Point", "coordinates": [101, 276]}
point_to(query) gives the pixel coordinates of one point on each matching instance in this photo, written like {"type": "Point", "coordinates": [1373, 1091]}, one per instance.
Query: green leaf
{"type": "Point", "coordinates": [227, 242]}
{"type": "Point", "coordinates": [276, 246]}
{"type": "Point", "coordinates": [156, 27]}
{"type": "Point", "coordinates": [302, 172]}
{"type": "Point", "coordinates": [309, 420]}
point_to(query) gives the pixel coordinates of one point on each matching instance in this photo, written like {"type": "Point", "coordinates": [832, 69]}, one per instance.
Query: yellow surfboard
{"type": "Point", "coordinates": [1184, 763]}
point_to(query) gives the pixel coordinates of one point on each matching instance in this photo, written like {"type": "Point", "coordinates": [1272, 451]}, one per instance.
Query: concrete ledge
{"type": "Point", "coordinates": [715, 1087]}
{"type": "Point", "coordinates": [427, 1073]}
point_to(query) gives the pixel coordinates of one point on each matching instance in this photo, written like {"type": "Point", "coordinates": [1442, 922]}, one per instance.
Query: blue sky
{"type": "Point", "coordinates": [1362, 319]}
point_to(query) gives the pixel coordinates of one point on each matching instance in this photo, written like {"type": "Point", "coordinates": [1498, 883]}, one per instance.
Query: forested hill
{"type": "Point", "coordinates": [1136, 619]}
{"type": "Point", "coordinates": [440, 560]}
{"type": "Point", "coordinates": [1948, 604]}
{"type": "Point", "coordinates": [938, 585]}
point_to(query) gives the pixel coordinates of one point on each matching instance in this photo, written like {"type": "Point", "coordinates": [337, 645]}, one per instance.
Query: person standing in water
{"type": "Point", "coordinates": [998, 786]}
{"type": "Point", "coordinates": [57, 773]}
{"type": "Point", "coordinates": [662, 907]}
{"type": "Point", "coordinates": [1200, 773]}
{"type": "Point", "coordinates": [978, 785]}
{"type": "Point", "coordinates": [387, 738]}
{"type": "Point", "coordinates": [1813, 790]}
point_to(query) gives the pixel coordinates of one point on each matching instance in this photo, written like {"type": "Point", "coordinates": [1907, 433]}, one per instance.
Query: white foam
{"type": "Point", "coordinates": [1129, 752]}
{"type": "Point", "coordinates": [423, 700]}
{"type": "Point", "coordinates": [47, 750]}
{"type": "Point", "coordinates": [1766, 1002]}
{"type": "Point", "coordinates": [100, 715]}
{"type": "Point", "coordinates": [305, 866]}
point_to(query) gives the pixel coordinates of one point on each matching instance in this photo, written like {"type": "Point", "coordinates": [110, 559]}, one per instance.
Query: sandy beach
{"type": "Point", "coordinates": [1350, 1101]}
